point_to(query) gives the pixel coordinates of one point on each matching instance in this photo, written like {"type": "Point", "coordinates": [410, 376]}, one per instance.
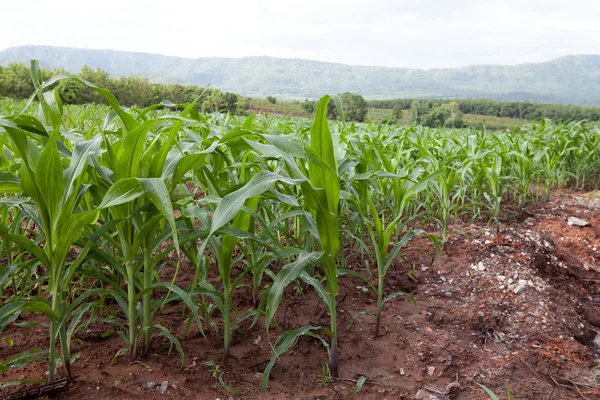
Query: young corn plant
{"type": "Point", "coordinates": [493, 172]}
{"type": "Point", "coordinates": [382, 230]}
{"type": "Point", "coordinates": [238, 207]}
{"type": "Point", "coordinates": [56, 192]}
{"type": "Point", "coordinates": [323, 197]}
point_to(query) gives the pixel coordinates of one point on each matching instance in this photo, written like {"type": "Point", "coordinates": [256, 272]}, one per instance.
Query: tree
{"type": "Point", "coordinates": [397, 113]}
{"type": "Point", "coordinates": [308, 106]}
{"type": "Point", "coordinates": [213, 101]}
{"type": "Point", "coordinates": [416, 108]}
{"type": "Point", "coordinates": [71, 91]}
{"type": "Point", "coordinates": [354, 105]}
{"type": "Point", "coordinates": [230, 102]}
{"type": "Point", "coordinates": [242, 104]}
{"type": "Point", "coordinates": [455, 119]}
{"type": "Point", "coordinates": [436, 118]}
{"type": "Point", "coordinates": [18, 81]}
{"type": "Point", "coordinates": [271, 99]}
{"type": "Point", "coordinates": [98, 77]}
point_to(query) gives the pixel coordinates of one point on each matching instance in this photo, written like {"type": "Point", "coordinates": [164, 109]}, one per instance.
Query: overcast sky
{"type": "Point", "coordinates": [395, 33]}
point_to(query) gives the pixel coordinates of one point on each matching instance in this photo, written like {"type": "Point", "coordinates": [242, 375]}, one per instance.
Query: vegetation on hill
{"type": "Point", "coordinates": [15, 82]}
{"type": "Point", "coordinates": [565, 80]}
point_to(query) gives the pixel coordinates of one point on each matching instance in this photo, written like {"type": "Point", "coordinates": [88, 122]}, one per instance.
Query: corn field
{"type": "Point", "coordinates": [98, 200]}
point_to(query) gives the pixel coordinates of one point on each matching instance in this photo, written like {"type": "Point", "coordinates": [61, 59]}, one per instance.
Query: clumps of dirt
{"type": "Point", "coordinates": [521, 307]}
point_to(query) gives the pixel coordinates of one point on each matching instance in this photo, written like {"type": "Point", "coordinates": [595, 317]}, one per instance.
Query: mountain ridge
{"type": "Point", "coordinates": [573, 79]}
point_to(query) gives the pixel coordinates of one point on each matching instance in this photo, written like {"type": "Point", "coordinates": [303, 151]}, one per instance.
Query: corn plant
{"type": "Point", "coordinates": [56, 192]}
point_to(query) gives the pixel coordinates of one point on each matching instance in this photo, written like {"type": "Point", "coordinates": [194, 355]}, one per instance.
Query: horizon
{"type": "Point", "coordinates": [296, 58]}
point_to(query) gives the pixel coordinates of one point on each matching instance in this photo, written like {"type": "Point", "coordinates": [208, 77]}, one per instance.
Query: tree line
{"type": "Point", "coordinates": [15, 82]}
{"type": "Point", "coordinates": [522, 110]}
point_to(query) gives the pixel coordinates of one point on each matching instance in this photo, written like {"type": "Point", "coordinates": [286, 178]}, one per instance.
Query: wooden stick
{"type": "Point", "coordinates": [37, 392]}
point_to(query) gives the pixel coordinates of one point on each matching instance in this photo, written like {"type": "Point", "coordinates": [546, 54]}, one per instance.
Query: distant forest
{"type": "Point", "coordinates": [15, 82]}
{"type": "Point", "coordinates": [522, 110]}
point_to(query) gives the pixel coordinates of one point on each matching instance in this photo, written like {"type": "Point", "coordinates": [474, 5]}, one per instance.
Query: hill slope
{"type": "Point", "coordinates": [568, 80]}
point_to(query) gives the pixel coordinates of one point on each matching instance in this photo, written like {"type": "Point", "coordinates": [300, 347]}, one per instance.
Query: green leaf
{"type": "Point", "coordinates": [27, 244]}
{"type": "Point", "coordinates": [492, 395]}
{"type": "Point", "coordinates": [400, 293]}
{"type": "Point", "coordinates": [9, 183]}
{"type": "Point", "coordinates": [287, 340]}
{"type": "Point", "coordinates": [321, 143]}
{"type": "Point", "coordinates": [288, 273]}
{"type": "Point", "coordinates": [79, 157]}
{"type": "Point", "coordinates": [359, 385]}
{"type": "Point", "coordinates": [174, 341]}
{"type": "Point", "coordinates": [233, 202]}
{"type": "Point", "coordinates": [49, 180]}
{"type": "Point", "coordinates": [122, 191]}
{"type": "Point", "coordinates": [157, 192]}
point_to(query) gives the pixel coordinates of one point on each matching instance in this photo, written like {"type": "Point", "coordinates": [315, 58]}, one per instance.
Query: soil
{"type": "Point", "coordinates": [519, 307]}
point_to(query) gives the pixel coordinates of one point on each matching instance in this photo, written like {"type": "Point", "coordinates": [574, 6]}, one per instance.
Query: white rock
{"type": "Point", "coordinates": [164, 386]}
{"type": "Point", "coordinates": [520, 286]}
{"type": "Point", "coordinates": [577, 222]}
{"type": "Point", "coordinates": [424, 395]}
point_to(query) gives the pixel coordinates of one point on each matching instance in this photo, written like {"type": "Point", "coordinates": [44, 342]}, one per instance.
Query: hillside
{"type": "Point", "coordinates": [565, 80]}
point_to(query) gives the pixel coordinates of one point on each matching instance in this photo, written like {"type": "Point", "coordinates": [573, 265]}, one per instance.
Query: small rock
{"type": "Point", "coordinates": [148, 385]}
{"type": "Point", "coordinates": [164, 386]}
{"type": "Point", "coordinates": [501, 278]}
{"type": "Point", "coordinates": [401, 371]}
{"type": "Point", "coordinates": [430, 371]}
{"type": "Point", "coordinates": [424, 395]}
{"type": "Point", "coordinates": [520, 286]}
{"type": "Point", "coordinates": [563, 357]}
{"type": "Point", "coordinates": [573, 221]}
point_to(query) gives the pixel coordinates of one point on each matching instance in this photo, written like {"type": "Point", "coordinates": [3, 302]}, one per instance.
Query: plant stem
{"type": "Point", "coordinates": [53, 334]}
{"type": "Point", "coordinates": [226, 328]}
{"type": "Point", "coordinates": [334, 358]}
{"type": "Point", "coordinates": [132, 318]}
{"type": "Point", "coordinates": [65, 347]}
{"type": "Point", "coordinates": [379, 304]}
{"type": "Point", "coordinates": [147, 301]}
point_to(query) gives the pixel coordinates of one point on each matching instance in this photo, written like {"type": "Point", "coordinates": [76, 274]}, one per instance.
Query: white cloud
{"type": "Point", "coordinates": [421, 34]}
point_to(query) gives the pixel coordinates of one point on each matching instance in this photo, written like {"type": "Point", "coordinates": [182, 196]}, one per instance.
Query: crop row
{"type": "Point", "coordinates": [97, 200]}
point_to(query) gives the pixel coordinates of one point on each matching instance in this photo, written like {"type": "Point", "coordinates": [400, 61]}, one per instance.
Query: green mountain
{"type": "Point", "coordinates": [566, 80]}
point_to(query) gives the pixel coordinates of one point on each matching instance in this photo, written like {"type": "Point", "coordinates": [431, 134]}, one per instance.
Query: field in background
{"type": "Point", "coordinates": [379, 115]}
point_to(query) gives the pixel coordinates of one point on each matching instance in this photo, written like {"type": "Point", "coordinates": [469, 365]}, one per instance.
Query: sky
{"type": "Point", "coordinates": [394, 33]}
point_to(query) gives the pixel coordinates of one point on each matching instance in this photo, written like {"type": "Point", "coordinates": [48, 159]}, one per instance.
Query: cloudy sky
{"type": "Point", "coordinates": [395, 33]}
